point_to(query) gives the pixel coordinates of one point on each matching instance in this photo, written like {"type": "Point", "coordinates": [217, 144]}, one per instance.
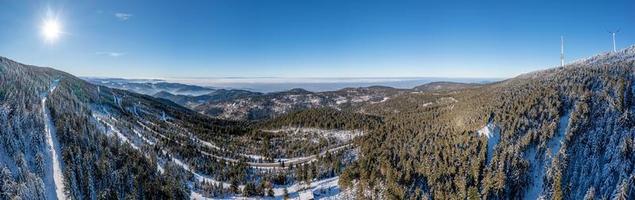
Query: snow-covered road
{"type": "Point", "coordinates": [287, 161]}
{"type": "Point", "coordinates": [326, 187]}
{"type": "Point", "coordinates": [56, 188]}
{"type": "Point", "coordinates": [321, 189]}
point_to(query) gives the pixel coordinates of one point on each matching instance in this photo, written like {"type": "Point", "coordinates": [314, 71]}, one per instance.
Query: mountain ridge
{"type": "Point", "coordinates": [561, 133]}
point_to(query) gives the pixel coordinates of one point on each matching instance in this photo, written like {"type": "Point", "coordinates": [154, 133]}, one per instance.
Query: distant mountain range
{"type": "Point", "coordinates": [561, 133]}
{"type": "Point", "coordinates": [64, 138]}
{"type": "Point", "coordinates": [150, 86]}
{"type": "Point", "coordinates": [247, 105]}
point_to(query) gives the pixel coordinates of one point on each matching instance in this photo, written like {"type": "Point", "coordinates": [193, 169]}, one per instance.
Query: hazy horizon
{"type": "Point", "coordinates": [271, 84]}
{"type": "Point", "coordinates": [317, 99]}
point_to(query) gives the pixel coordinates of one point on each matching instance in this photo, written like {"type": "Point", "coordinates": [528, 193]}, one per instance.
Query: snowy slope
{"type": "Point", "coordinates": [541, 162]}
{"type": "Point", "coordinates": [55, 190]}
{"type": "Point", "coordinates": [492, 133]}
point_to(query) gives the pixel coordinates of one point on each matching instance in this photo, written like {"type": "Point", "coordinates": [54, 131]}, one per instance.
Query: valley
{"type": "Point", "coordinates": [235, 104]}
{"type": "Point", "coordinates": [317, 100]}
{"type": "Point", "coordinates": [64, 137]}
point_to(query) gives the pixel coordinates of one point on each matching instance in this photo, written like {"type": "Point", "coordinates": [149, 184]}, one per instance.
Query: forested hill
{"type": "Point", "coordinates": [66, 138]}
{"type": "Point", "coordinates": [562, 133]}
{"type": "Point", "coordinates": [326, 118]}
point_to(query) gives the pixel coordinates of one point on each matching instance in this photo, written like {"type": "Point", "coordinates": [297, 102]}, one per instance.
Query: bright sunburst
{"type": "Point", "coordinates": [51, 30]}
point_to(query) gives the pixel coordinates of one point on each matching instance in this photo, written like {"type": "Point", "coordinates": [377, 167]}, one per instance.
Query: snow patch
{"type": "Point", "coordinates": [146, 140]}
{"type": "Point", "coordinates": [197, 176]}
{"type": "Point", "coordinates": [359, 99]}
{"type": "Point", "coordinates": [341, 135]}
{"type": "Point", "coordinates": [341, 100]}
{"type": "Point", "coordinates": [492, 133]}
{"type": "Point", "coordinates": [325, 188]}
{"type": "Point", "coordinates": [539, 162]}
{"type": "Point", "coordinates": [443, 100]}
{"type": "Point", "coordinates": [113, 129]}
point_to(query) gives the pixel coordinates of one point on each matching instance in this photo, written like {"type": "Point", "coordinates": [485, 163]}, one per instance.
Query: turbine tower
{"type": "Point", "coordinates": [561, 51]}
{"type": "Point", "coordinates": [613, 34]}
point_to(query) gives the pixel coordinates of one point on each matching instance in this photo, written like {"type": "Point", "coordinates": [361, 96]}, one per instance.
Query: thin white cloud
{"type": "Point", "coordinates": [111, 54]}
{"type": "Point", "coordinates": [123, 16]}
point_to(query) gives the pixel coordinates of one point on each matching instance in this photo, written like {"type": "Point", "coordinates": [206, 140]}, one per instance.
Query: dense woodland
{"type": "Point", "coordinates": [574, 124]}
{"type": "Point", "coordinates": [95, 167]}
{"type": "Point", "coordinates": [91, 122]}
{"type": "Point", "coordinates": [326, 118]}
{"type": "Point", "coordinates": [433, 151]}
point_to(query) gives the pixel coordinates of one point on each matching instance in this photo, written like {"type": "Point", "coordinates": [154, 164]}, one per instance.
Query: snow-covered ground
{"type": "Point", "coordinates": [493, 137]}
{"type": "Point", "coordinates": [341, 100]}
{"type": "Point", "coordinates": [344, 138]}
{"type": "Point", "coordinates": [540, 162]}
{"type": "Point", "coordinates": [146, 140]}
{"type": "Point", "coordinates": [321, 189]}
{"type": "Point", "coordinates": [5, 158]}
{"type": "Point", "coordinates": [444, 100]}
{"type": "Point", "coordinates": [276, 164]}
{"type": "Point", "coordinates": [206, 143]}
{"type": "Point", "coordinates": [56, 189]}
{"type": "Point", "coordinates": [324, 188]}
{"type": "Point", "coordinates": [199, 177]}
{"type": "Point", "coordinates": [381, 101]}
{"type": "Point", "coordinates": [103, 118]}
{"type": "Point", "coordinates": [122, 137]}
{"type": "Point", "coordinates": [304, 159]}
{"type": "Point", "coordinates": [359, 99]}
{"type": "Point", "coordinates": [341, 135]}
{"type": "Point", "coordinates": [106, 118]}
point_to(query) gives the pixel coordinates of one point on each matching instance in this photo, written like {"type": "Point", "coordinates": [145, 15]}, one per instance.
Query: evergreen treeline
{"type": "Point", "coordinates": [428, 147]}
{"type": "Point", "coordinates": [326, 118]}
{"type": "Point", "coordinates": [414, 146]}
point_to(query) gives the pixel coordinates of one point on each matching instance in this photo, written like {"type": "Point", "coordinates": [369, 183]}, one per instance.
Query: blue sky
{"type": "Point", "coordinates": [310, 38]}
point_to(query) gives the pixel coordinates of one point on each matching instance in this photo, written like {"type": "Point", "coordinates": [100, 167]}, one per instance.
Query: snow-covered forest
{"type": "Point", "coordinates": [562, 133]}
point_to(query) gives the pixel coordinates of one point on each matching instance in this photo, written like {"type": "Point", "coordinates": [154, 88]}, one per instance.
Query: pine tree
{"type": "Point", "coordinates": [590, 194]}
{"type": "Point", "coordinates": [622, 192]}
{"type": "Point", "coordinates": [286, 193]}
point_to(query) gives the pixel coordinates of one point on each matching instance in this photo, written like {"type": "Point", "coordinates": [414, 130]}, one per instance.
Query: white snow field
{"type": "Point", "coordinates": [321, 189]}
{"type": "Point", "coordinates": [540, 165]}
{"type": "Point", "coordinates": [493, 137]}
{"type": "Point", "coordinates": [343, 136]}
{"type": "Point", "coordinates": [325, 188]}
{"type": "Point", "coordinates": [55, 184]}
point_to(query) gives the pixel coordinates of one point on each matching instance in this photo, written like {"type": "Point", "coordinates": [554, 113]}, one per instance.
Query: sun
{"type": "Point", "coordinates": [51, 30]}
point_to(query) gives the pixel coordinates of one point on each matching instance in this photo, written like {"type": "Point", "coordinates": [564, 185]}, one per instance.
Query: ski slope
{"type": "Point", "coordinates": [57, 189]}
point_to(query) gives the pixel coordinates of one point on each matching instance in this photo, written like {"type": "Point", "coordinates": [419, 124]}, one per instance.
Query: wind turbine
{"type": "Point", "coordinates": [561, 51]}
{"type": "Point", "coordinates": [613, 34]}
